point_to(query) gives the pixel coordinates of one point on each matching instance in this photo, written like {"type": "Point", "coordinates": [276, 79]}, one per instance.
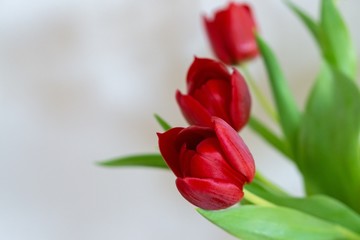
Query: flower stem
{"type": "Point", "coordinates": [264, 102]}
{"type": "Point", "coordinates": [281, 145]}
{"type": "Point", "coordinates": [256, 199]}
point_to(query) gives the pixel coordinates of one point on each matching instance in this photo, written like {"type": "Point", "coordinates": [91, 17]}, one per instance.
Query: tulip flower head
{"type": "Point", "coordinates": [213, 91]}
{"type": "Point", "coordinates": [211, 164]}
{"type": "Point", "coordinates": [231, 33]}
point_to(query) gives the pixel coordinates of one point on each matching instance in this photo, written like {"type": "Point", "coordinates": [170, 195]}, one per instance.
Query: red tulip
{"type": "Point", "coordinates": [213, 91]}
{"type": "Point", "coordinates": [231, 33]}
{"type": "Point", "coordinates": [211, 164]}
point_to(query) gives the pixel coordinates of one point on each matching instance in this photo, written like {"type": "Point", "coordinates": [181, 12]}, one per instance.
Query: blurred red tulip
{"type": "Point", "coordinates": [231, 33]}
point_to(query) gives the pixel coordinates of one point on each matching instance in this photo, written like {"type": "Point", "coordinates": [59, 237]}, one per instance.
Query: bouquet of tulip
{"type": "Point", "coordinates": [214, 168]}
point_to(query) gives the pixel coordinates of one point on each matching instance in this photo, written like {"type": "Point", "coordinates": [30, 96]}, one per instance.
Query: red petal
{"type": "Point", "coordinates": [169, 150]}
{"type": "Point", "coordinates": [214, 96]}
{"type": "Point", "coordinates": [240, 101]}
{"type": "Point", "coordinates": [241, 26]}
{"type": "Point", "coordinates": [209, 147]}
{"type": "Point", "coordinates": [185, 159]}
{"type": "Point", "coordinates": [236, 152]}
{"type": "Point", "coordinates": [223, 24]}
{"type": "Point", "coordinates": [192, 136]}
{"type": "Point", "coordinates": [202, 70]}
{"type": "Point", "coordinates": [209, 194]}
{"type": "Point", "coordinates": [216, 41]}
{"type": "Point", "coordinates": [248, 11]}
{"type": "Point", "coordinates": [208, 162]}
{"type": "Point", "coordinates": [193, 111]}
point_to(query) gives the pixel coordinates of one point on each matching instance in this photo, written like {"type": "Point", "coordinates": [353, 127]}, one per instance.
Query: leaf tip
{"type": "Point", "coordinates": [102, 164]}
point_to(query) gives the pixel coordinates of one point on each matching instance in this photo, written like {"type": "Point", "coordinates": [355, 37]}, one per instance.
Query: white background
{"type": "Point", "coordinates": [79, 83]}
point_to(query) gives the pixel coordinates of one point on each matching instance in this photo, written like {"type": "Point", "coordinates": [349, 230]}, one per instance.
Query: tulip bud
{"type": "Point", "coordinates": [231, 34]}
{"type": "Point", "coordinates": [213, 91]}
{"type": "Point", "coordinates": [211, 164]}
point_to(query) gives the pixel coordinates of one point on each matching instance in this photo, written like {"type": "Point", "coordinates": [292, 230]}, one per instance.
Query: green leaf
{"type": "Point", "coordinates": [165, 126]}
{"type": "Point", "coordinates": [269, 136]}
{"type": "Point", "coordinates": [274, 223]}
{"type": "Point", "coordinates": [288, 111]}
{"type": "Point", "coordinates": [146, 160]}
{"type": "Point", "coordinates": [337, 46]}
{"type": "Point", "coordinates": [332, 36]}
{"type": "Point", "coordinates": [328, 155]}
{"type": "Point", "coordinates": [310, 23]}
{"type": "Point", "coordinates": [319, 206]}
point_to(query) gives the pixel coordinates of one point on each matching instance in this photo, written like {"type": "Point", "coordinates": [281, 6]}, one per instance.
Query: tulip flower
{"type": "Point", "coordinates": [211, 164]}
{"type": "Point", "coordinates": [231, 33]}
{"type": "Point", "coordinates": [214, 91]}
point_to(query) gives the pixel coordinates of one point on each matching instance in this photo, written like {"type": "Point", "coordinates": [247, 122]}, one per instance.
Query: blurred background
{"type": "Point", "coordinates": [80, 82]}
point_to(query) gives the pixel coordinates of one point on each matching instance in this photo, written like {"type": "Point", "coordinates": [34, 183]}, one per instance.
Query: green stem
{"type": "Point", "coordinates": [256, 199]}
{"type": "Point", "coordinates": [269, 136]}
{"type": "Point", "coordinates": [264, 102]}
{"type": "Point", "coordinates": [269, 184]}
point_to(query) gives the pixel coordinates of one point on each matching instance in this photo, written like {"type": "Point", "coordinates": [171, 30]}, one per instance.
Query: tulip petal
{"type": "Point", "coordinates": [168, 149]}
{"type": "Point", "coordinates": [240, 31]}
{"type": "Point", "coordinates": [216, 41]}
{"type": "Point", "coordinates": [209, 147]}
{"type": "Point", "coordinates": [209, 194]}
{"type": "Point", "coordinates": [240, 104]}
{"type": "Point", "coordinates": [185, 159]}
{"type": "Point", "coordinates": [193, 111]}
{"type": "Point", "coordinates": [248, 11]}
{"type": "Point", "coordinates": [215, 98]}
{"type": "Point", "coordinates": [202, 70]}
{"type": "Point", "coordinates": [208, 162]}
{"type": "Point", "coordinates": [192, 136]}
{"type": "Point", "coordinates": [222, 23]}
{"type": "Point", "coordinates": [236, 152]}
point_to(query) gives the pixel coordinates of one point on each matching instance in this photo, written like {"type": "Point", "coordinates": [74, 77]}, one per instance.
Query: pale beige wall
{"type": "Point", "coordinates": [79, 82]}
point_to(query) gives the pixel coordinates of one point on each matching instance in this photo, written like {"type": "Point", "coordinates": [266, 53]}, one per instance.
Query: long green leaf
{"type": "Point", "coordinates": [165, 126]}
{"type": "Point", "coordinates": [310, 23]}
{"type": "Point", "coordinates": [336, 42]}
{"type": "Point", "coordinates": [332, 35]}
{"type": "Point", "coordinates": [320, 206]}
{"type": "Point", "coordinates": [285, 103]}
{"type": "Point", "coordinates": [275, 223]}
{"type": "Point", "coordinates": [328, 154]}
{"type": "Point", "coordinates": [146, 160]}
